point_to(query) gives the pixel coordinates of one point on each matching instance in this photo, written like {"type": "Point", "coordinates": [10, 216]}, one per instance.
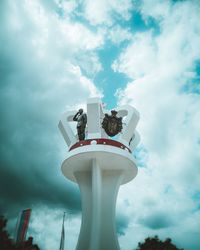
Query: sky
{"type": "Point", "coordinates": [54, 54]}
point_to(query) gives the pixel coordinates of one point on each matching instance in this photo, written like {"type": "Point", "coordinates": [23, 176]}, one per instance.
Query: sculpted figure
{"type": "Point", "coordinates": [81, 119]}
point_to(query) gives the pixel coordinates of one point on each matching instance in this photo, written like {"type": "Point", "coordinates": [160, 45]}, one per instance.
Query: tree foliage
{"type": "Point", "coordinates": [154, 243]}
{"type": "Point", "coordinates": [5, 240]}
{"type": "Point", "coordinates": [6, 243]}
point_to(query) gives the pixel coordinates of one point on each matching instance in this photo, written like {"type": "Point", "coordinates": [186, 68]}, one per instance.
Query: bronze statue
{"type": "Point", "coordinates": [81, 119]}
{"type": "Point", "coordinates": [112, 124]}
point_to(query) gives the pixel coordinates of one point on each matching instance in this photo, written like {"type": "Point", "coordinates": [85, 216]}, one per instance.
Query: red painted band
{"type": "Point", "coordinates": [99, 141]}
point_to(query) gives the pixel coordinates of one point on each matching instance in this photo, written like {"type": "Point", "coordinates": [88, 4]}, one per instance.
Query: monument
{"type": "Point", "coordinates": [99, 165]}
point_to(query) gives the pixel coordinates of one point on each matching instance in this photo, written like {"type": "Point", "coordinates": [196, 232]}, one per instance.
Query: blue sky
{"type": "Point", "coordinates": [54, 54]}
{"type": "Point", "coordinates": [108, 80]}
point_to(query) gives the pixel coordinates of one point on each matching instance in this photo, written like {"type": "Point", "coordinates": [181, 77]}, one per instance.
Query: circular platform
{"type": "Point", "coordinates": [108, 157]}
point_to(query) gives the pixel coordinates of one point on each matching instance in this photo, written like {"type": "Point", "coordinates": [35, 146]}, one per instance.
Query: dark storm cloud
{"type": "Point", "coordinates": [18, 191]}
{"type": "Point", "coordinates": [122, 223]}
{"type": "Point", "coordinates": [157, 220]}
{"type": "Point", "coordinates": [32, 96]}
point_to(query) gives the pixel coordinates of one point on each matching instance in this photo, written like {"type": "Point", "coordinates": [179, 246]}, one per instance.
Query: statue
{"type": "Point", "coordinates": [81, 119]}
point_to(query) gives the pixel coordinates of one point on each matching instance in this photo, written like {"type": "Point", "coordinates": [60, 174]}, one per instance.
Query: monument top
{"type": "Point", "coordinates": [98, 124]}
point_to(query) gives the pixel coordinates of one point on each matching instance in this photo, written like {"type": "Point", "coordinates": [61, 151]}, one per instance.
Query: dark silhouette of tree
{"type": "Point", "coordinates": [6, 243]}
{"type": "Point", "coordinates": [27, 245]}
{"type": "Point", "coordinates": [154, 243]}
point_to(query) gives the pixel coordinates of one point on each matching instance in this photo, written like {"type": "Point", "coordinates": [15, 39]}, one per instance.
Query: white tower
{"type": "Point", "coordinates": [100, 165]}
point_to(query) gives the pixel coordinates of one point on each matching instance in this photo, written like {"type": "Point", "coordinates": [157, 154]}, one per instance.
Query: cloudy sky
{"type": "Point", "coordinates": [54, 54]}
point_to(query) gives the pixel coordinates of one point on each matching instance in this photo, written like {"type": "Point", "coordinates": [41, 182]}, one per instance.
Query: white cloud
{"type": "Point", "coordinates": [48, 237]}
{"type": "Point", "coordinates": [50, 47]}
{"type": "Point", "coordinates": [118, 34]}
{"type": "Point", "coordinates": [159, 67]}
{"type": "Point", "coordinates": [133, 61]}
{"type": "Point", "coordinates": [158, 9]}
{"type": "Point", "coordinates": [103, 12]}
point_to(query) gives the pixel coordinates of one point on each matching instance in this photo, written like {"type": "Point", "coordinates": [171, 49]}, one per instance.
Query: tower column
{"type": "Point", "coordinates": [99, 188]}
{"type": "Point", "coordinates": [96, 204]}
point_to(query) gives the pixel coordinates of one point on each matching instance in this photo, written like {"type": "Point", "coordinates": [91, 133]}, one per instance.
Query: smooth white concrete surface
{"type": "Point", "coordinates": [65, 128]}
{"type": "Point", "coordinates": [135, 141]}
{"type": "Point", "coordinates": [99, 170]}
{"type": "Point", "coordinates": [107, 157]}
{"type": "Point", "coordinates": [95, 117]}
{"type": "Point", "coordinates": [131, 118]}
